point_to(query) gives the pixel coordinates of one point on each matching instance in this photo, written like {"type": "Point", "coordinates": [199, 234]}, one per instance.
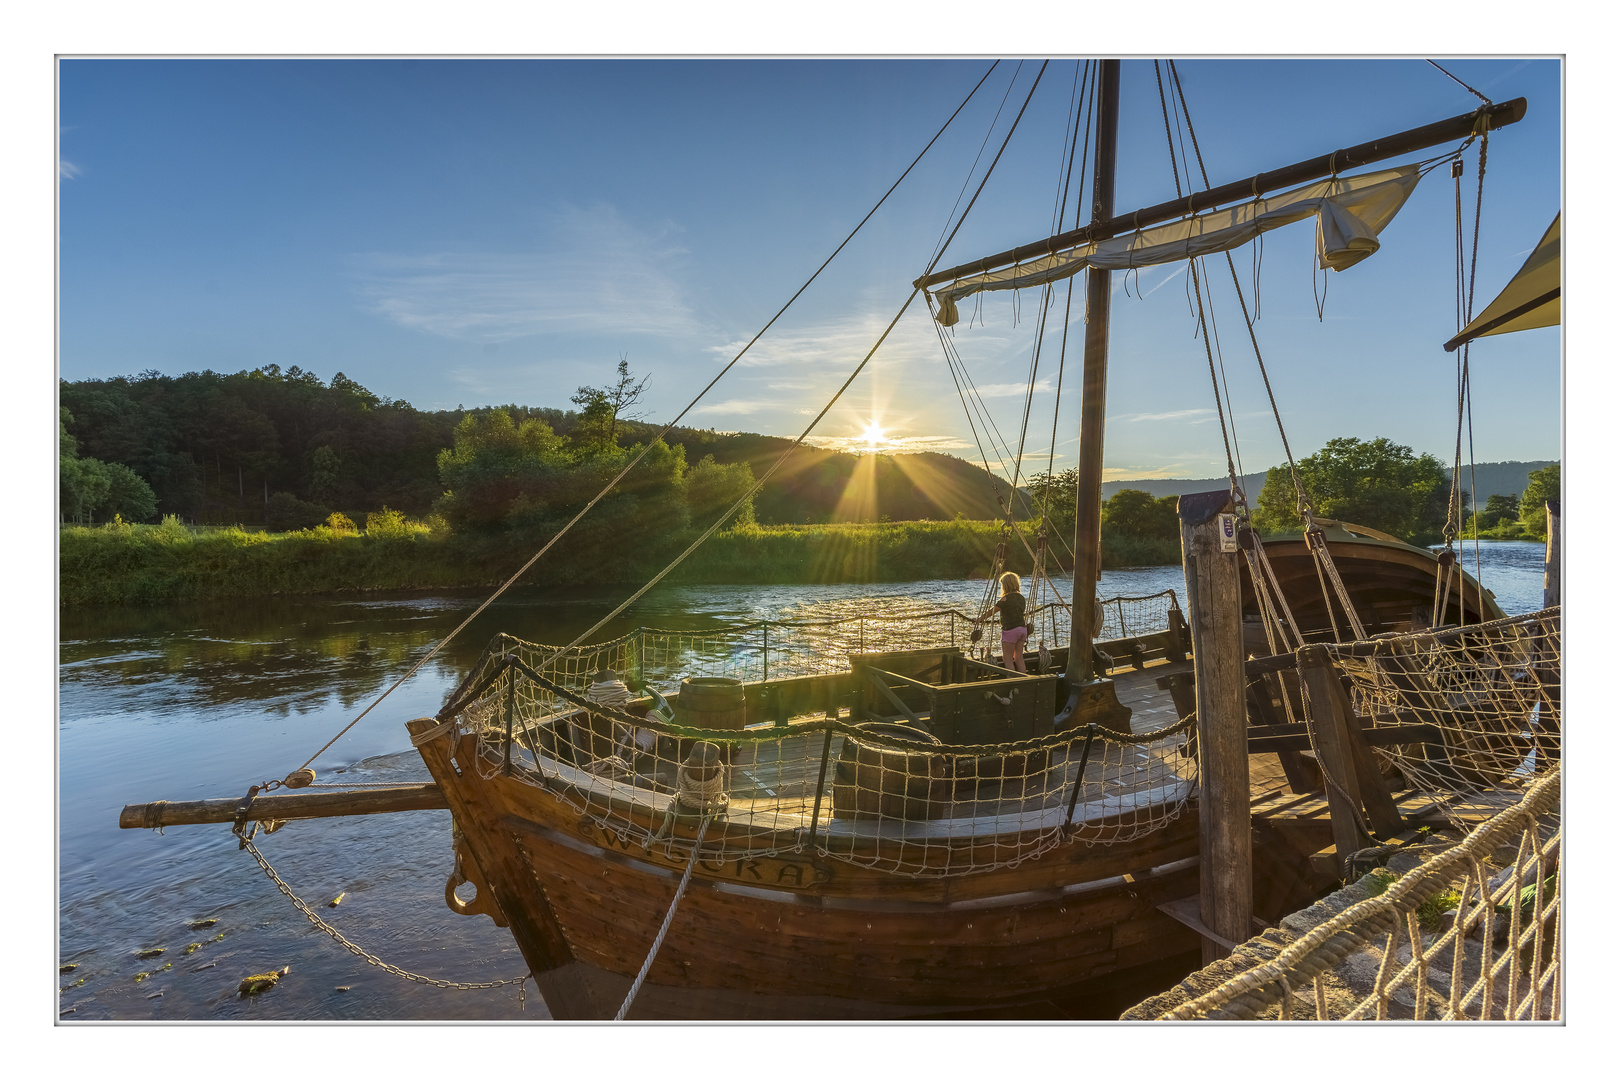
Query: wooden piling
{"type": "Point", "coordinates": [1333, 751]}
{"type": "Point", "coordinates": [1551, 592]}
{"type": "Point", "coordinates": [1226, 882]}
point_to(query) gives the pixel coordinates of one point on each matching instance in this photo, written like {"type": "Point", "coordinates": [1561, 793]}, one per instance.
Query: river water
{"type": "Point", "coordinates": [200, 701]}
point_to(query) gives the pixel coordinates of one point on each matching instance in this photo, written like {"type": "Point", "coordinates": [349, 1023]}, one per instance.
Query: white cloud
{"type": "Point", "coordinates": [736, 407]}
{"type": "Point", "coordinates": [66, 170]}
{"type": "Point", "coordinates": [1171, 472]}
{"type": "Point", "coordinates": [1180, 270]}
{"type": "Point", "coordinates": [594, 271]}
{"type": "Point", "coordinates": [841, 343]}
{"type": "Point", "coordinates": [1197, 416]}
{"type": "Point", "coordinates": [1019, 389]}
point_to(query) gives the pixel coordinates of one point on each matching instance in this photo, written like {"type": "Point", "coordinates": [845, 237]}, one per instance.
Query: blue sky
{"type": "Point", "coordinates": [477, 232]}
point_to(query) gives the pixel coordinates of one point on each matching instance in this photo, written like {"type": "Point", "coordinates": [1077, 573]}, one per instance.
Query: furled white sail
{"type": "Point", "coordinates": [1350, 212]}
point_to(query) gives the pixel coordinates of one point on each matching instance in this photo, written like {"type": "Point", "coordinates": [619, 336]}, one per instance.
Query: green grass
{"type": "Point", "coordinates": [1430, 910]}
{"type": "Point", "coordinates": [143, 565]}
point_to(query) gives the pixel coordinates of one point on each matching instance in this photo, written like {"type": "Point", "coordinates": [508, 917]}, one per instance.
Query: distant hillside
{"type": "Point", "coordinates": [820, 486]}
{"type": "Point", "coordinates": [218, 449]}
{"type": "Point", "coordinates": [1500, 477]}
{"type": "Point", "coordinates": [221, 448]}
{"type": "Point", "coordinates": [1493, 478]}
{"type": "Point", "coordinates": [1252, 484]}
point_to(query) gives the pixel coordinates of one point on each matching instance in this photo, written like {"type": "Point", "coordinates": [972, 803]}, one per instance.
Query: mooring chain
{"type": "Point", "coordinates": [246, 842]}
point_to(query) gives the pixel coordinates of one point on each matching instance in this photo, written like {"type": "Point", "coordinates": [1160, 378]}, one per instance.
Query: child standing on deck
{"type": "Point", "coordinates": [1014, 631]}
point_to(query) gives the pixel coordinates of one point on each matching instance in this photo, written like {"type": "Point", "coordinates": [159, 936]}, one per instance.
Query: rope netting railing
{"type": "Point", "coordinates": [1136, 616]}
{"type": "Point", "coordinates": [881, 795]}
{"type": "Point", "coordinates": [811, 777]}
{"type": "Point", "coordinates": [786, 648]}
{"type": "Point", "coordinates": [1483, 702]}
{"type": "Point", "coordinates": [1474, 933]}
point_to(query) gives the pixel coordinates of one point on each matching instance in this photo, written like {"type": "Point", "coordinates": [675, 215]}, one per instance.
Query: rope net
{"type": "Point", "coordinates": [1475, 933]}
{"type": "Point", "coordinates": [835, 760]}
{"type": "Point", "coordinates": [1483, 703]}
{"type": "Point", "coordinates": [1136, 616]}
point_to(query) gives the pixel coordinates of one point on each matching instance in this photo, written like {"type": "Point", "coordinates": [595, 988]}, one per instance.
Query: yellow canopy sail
{"type": "Point", "coordinates": [1530, 300]}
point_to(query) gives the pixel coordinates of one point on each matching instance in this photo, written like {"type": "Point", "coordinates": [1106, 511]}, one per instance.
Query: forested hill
{"type": "Point", "coordinates": [220, 449]}
{"type": "Point", "coordinates": [1492, 478]}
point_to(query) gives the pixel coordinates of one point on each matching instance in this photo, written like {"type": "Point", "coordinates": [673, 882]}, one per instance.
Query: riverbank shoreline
{"type": "Point", "coordinates": [147, 565]}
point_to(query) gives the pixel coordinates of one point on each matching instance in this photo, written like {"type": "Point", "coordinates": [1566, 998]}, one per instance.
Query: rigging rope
{"type": "Point", "coordinates": [964, 386]}
{"type": "Point", "coordinates": [1465, 281]}
{"type": "Point", "coordinates": [669, 917]}
{"type": "Point", "coordinates": [667, 427]}
{"type": "Point", "coordinates": [1460, 83]}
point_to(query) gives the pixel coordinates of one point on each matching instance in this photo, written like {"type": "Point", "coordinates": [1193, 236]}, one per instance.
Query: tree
{"type": "Point", "coordinates": [1498, 508]}
{"type": "Point", "coordinates": [602, 407]}
{"type": "Point", "coordinates": [284, 510]}
{"type": "Point", "coordinates": [1546, 485]}
{"type": "Point", "coordinates": [496, 463]}
{"type": "Point", "coordinates": [596, 420]}
{"type": "Point", "coordinates": [1379, 484]}
{"type": "Point", "coordinates": [1057, 495]}
{"type": "Point", "coordinates": [127, 494]}
{"type": "Point", "coordinates": [324, 470]}
{"type": "Point", "coordinates": [1137, 514]}
{"type": "Point", "coordinates": [89, 487]}
{"type": "Point", "coordinates": [711, 488]}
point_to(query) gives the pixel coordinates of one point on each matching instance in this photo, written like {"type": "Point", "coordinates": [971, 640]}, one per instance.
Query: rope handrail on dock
{"type": "Point", "coordinates": [1460, 936]}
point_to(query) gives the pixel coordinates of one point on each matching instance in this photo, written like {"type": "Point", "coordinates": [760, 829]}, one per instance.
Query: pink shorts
{"type": "Point", "coordinates": [1014, 636]}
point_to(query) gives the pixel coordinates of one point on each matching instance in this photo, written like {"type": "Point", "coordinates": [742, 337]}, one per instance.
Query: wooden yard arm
{"type": "Point", "coordinates": [304, 804]}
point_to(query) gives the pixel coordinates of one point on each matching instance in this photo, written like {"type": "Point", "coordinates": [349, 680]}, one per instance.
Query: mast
{"type": "Point", "coordinates": [1093, 398]}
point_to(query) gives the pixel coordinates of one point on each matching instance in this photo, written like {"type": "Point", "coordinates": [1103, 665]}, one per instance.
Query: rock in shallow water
{"type": "Point", "coordinates": [258, 984]}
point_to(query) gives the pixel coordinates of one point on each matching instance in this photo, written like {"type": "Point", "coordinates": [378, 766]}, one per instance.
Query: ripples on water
{"type": "Point", "coordinates": [201, 701]}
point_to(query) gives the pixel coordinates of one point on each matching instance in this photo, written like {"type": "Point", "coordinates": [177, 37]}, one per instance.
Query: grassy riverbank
{"type": "Point", "coordinates": [157, 564]}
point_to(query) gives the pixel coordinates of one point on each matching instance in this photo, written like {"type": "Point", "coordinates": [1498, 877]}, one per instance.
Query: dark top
{"type": "Point", "coordinates": [1011, 606]}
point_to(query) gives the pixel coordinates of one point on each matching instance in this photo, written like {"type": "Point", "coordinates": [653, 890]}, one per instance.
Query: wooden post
{"type": "Point", "coordinates": [1383, 816]}
{"type": "Point", "coordinates": [1551, 593]}
{"type": "Point", "coordinates": [1333, 751]}
{"type": "Point", "coordinates": [1226, 881]}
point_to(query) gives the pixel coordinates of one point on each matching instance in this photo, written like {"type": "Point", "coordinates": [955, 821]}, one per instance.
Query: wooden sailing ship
{"type": "Point", "coordinates": [895, 825]}
{"type": "Point", "coordinates": [958, 853]}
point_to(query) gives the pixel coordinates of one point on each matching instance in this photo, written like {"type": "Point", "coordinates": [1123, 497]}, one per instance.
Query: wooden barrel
{"type": "Point", "coordinates": [711, 703]}
{"type": "Point", "coordinates": [881, 781]}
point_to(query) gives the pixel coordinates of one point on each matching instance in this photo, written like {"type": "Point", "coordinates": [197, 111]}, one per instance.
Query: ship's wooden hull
{"type": "Point", "coordinates": [1391, 584]}
{"type": "Point", "coordinates": [796, 938]}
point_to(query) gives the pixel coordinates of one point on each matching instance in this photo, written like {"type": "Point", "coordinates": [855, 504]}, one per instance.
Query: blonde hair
{"type": "Point", "coordinates": [1009, 582]}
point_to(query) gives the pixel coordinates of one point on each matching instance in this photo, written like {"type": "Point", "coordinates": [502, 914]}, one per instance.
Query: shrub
{"type": "Point", "coordinates": [386, 524]}
{"type": "Point", "coordinates": [284, 510]}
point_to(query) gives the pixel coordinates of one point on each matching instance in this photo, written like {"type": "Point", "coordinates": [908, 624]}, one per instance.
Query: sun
{"type": "Point", "coordinates": [873, 435]}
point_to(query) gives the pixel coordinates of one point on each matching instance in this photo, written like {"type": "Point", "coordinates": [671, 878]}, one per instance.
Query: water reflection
{"type": "Point", "coordinates": [200, 701]}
